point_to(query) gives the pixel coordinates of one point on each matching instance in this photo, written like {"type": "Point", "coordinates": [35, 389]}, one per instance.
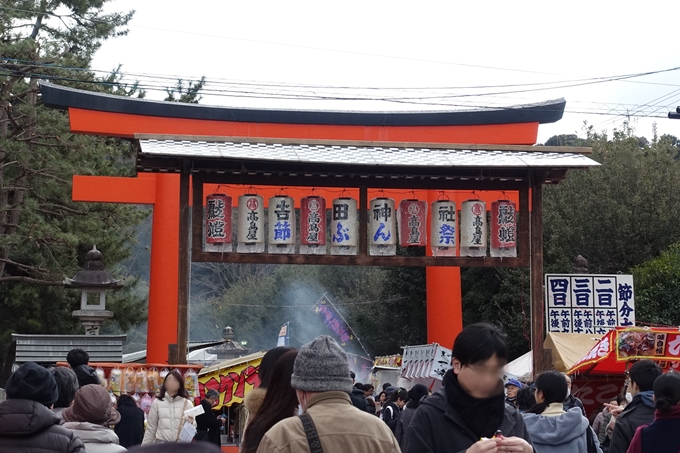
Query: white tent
{"type": "Point", "coordinates": [522, 366]}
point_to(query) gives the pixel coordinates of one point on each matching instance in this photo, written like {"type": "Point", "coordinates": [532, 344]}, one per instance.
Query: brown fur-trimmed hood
{"type": "Point", "coordinates": [253, 400]}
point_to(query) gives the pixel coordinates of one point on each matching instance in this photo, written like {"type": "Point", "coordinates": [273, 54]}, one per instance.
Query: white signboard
{"type": "Point", "coordinates": [590, 304]}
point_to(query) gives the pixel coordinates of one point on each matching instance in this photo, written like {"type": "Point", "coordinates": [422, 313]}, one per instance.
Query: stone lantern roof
{"type": "Point", "coordinates": [93, 275]}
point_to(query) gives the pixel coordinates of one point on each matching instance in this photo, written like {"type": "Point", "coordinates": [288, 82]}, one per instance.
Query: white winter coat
{"type": "Point", "coordinates": [97, 438]}
{"type": "Point", "coordinates": [163, 422]}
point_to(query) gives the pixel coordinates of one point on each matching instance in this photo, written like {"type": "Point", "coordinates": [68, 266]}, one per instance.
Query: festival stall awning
{"type": "Point", "coordinates": [621, 346]}
{"type": "Point", "coordinates": [569, 348]}
{"type": "Point", "coordinates": [430, 361]}
{"type": "Point", "coordinates": [233, 379]}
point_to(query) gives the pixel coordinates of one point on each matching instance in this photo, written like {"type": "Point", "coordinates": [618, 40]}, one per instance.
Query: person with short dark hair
{"type": "Point", "coordinates": [368, 393]}
{"type": "Point", "coordinates": [67, 385]}
{"type": "Point", "coordinates": [469, 411]}
{"type": "Point", "coordinates": [26, 422]}
{"type": "Point", "coordinates": [79, 361]}
{"type": "Point", "coordinates": [552, 429]}
{"type": "Point", "coordinates": [207, 424]}
{"type": "Point", "coordinates": [640, 411]}
{"type": "Point", "coordinates": [663, 434]}
{"type": "Point", "coordinates": [526, 398]}
{"type": "Point", "coordinates": [416, 395]}
{"type": "Point", "coordinates": [166, 416]}
{"type": "Point", "coordinates": [130, 429]}
{"type": "Point", "coordinates": [386, 385]}
{"type": "Point", "coordinates": [357, 394]}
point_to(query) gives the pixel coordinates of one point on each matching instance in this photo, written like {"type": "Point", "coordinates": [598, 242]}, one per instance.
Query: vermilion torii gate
{"type": "Point", "coordinates": [164, 181]}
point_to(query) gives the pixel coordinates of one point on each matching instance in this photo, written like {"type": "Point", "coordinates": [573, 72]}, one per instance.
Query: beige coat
{"type": "Point", "coordinates": [97, 438]}
{"type": "Point", "coordinates": [342, 428]}
{"type": "Point", "coordinates": [163, 422]}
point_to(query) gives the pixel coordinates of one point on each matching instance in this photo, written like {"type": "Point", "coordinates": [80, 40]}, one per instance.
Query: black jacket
{"type": "Point", "coordinates": [635, 414]}
{"type": "Point", "coordinates": [391, 414]}
{"type": "Point", "coordinates": [572, 402]}
{"type": "Point", "coordinates": [29, 427]}
{"type": "Point", "coordinates": [130, 430]}
{"type": "Point", "coordinates": [405, 419]}
{"type": "Point", "coordinates": [210, 423]}
{"type": "Point", "coordinates": [438, 428]}
{"type": "Point", "coordinates": [358, 398]}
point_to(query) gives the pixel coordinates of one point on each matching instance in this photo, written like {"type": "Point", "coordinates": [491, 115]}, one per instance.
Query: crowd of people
{"type": "Point", "coordinates": [309, 400]}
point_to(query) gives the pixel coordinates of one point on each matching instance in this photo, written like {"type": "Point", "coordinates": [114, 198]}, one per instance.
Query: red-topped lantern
{"type": "Point", "coordinates": [313, 225]}
{"type": "Point", "coordinates": [503, 228]}
{"type": "Point", "coordinates": [218, 219]}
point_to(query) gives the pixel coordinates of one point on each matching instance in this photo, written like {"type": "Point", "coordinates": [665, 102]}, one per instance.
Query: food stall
{"type": "Point", "coordinates": [598, 377]}
{"type": "Point", "coordinates": [386, 369]}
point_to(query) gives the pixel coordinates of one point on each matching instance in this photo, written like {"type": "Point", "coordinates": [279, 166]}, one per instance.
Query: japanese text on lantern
{"type": "Point", "coordinates": [590, 304]}
{"type": "Point", "coordinates": [412, 223]}
{"type": "Point", "coordinates": [218, 219]}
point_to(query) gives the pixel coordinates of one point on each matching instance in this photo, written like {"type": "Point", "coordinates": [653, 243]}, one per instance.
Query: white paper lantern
{"type": "Point", "coordinates": [382, 231]}
{"type": "Point", "coordinates": [473, 226]}
{"type": "Point", "coordinates": [281, 225]}
{"type": "Point", "coordinates": [344, 227]}
{"type": "Point", "coordinates": [250, 224]}
{"type": "Point", "coordinates": [444, 228]}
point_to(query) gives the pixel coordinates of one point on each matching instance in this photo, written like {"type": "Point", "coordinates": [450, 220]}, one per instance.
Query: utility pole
{"type": "Point", "coordinates": [675, 115]}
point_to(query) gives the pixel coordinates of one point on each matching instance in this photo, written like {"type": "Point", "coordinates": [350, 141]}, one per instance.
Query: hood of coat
{"type": "Point", "coordinates": [90, 433]}
{"type": "Point", "coordinates": [556, 430]}
{"type": "Point", "coordinates": [25, 418]}
{"type": "Point", "coordinates": [254, 399]}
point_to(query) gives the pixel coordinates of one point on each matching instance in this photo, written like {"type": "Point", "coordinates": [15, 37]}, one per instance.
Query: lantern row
{"type": "Point", "coordinates": [407, 224]}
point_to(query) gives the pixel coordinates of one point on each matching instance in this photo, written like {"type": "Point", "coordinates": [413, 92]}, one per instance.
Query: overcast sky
{"type": "Point", "coordinates": [419, 47]}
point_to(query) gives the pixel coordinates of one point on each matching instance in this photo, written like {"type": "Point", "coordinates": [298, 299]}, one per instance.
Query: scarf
{"type": "Point", "coordinates": [482, 416]}
{"type": "Point", "coordinates": [647, 398]}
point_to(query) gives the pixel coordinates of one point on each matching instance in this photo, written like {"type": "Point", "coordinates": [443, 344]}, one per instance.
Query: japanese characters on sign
{"type": "Point", "coordinates": [412, 223]}
{"type": "Point", "coordinates": [250, 224]}
{"type": "Point", "coordinates": [430, 361]}
{"type": "Point", "coordinates": [218, 219]}
{"type": "Point", "coordinates": [344, 229]}
{"type": "Point", "coordinates": [383, 231]}
{"type": "Point", "coordinates": [313, 225]}
{"type": "Point", "coordinates": [591, 304]}
{"type": "Point", "coordinates": [334, 321]}
{"type": "Point", "coordinates": [231, 383]}
{"type": "Point", "coordinates": [503, 228]}
{"type": "Point", "coordinates": [443, 228]}
{"type": "Point", "coordinates": [281, 225]}
{"type": "Point", "coordinates": [473, 228]}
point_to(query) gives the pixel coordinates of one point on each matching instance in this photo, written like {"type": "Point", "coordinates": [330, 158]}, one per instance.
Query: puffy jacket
{"type": "Point", "coordinates": [29, 427]}
{"type": "Point", "coordinates": [437, 427]}
{"type": "Point", "coordinates": [342, 428]}
{"type": "Point", "coordinates": [556, 431]}
{"type": "Point", "coordinates": [639, 412]}
{"type": "Point", "coordinates": [163, 422]}
{"type": "Point", "coordinates": [97, 438]}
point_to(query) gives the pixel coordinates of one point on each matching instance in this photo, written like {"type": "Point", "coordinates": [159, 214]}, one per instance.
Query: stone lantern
{"type": "Point", "coordinates": [93, 281]}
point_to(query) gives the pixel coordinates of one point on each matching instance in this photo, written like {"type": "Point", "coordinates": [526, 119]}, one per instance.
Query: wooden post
{"type": "Point", "coordinates": [184, 264]}
{"type": "Point", "coordinates": [537, 309]}
{"type": "Point", "coordinates": [363, 221]}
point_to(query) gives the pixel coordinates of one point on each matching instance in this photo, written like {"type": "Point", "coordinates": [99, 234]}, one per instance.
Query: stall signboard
{"type": "Point", "coordinates": [232, 383]}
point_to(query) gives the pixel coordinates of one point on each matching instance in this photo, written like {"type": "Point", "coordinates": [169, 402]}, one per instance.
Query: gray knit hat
{"type": "Point", "coordinates": [321, 366]}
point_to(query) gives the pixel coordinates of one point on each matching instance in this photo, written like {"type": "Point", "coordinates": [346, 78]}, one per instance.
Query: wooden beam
{"type": "Point", "coordinates": [184, 264]}
{"type": "Point", "coordinates": [363, 221]}
{"type": "Point", "coordinates": [358, 260]}
{"type": "Point", "coordinates": [197, 225]}
{"type": "Point", "coordinates": [371, 144]}
{"type": "Point", "coordinates": [536, 264]}
{"type": "Point", "coordinates": [524, 249]}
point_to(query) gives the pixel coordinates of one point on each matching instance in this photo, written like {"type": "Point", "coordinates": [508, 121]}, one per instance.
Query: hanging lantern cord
{"type": "Point", "coordinates": [442, 196]}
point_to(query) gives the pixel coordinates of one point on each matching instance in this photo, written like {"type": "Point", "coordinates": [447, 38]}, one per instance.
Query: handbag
{"type": "Point", "coordinates": [186, 431]}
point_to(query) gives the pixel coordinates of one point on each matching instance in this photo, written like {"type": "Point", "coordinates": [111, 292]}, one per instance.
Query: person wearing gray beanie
{"type": "Point", "coordinates": [321, 366]}
{"type": "Point", "coordinates": [321, 379]}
